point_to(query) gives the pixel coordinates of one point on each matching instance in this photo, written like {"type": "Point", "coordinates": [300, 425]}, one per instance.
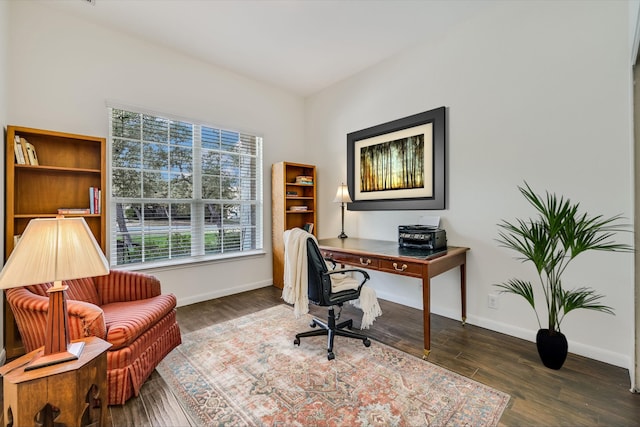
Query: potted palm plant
{"type": "Point", "coordinates": [551, 241]}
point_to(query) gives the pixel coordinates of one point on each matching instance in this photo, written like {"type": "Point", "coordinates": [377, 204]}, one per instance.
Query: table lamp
{"type": "Point", "coordinates": [342, 197]}
{"type": "Point", "coordinates": [53, 250]}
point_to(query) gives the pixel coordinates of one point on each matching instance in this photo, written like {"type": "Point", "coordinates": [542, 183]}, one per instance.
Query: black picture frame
{"type": "Point", "coordinates": [434, 188]}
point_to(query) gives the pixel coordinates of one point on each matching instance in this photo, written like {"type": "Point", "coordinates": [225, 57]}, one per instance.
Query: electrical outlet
{"type": "Point", "coordinates": [492, 301]}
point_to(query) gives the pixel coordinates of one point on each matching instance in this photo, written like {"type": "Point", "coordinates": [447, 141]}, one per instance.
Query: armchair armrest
{"type": "Point", "coordinates": [85, 320]}
{"type": "Point", "coordinates": [30, 311]}
{"type": "Point", "coordinates": [121, 286]}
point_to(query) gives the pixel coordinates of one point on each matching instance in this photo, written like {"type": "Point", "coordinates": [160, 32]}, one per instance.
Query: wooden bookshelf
{"type": "Point", "coordinates": [68, 165]}
{"type": "Point", "coordinates": [288, 198]}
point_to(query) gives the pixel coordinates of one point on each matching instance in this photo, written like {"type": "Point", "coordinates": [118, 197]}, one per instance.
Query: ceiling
{"type": "Point", "coordinates": [302, 46]}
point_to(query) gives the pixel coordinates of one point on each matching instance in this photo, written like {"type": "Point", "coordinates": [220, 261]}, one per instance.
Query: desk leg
{"type": "Point", "coordinates": [426, 314]}
{"type": "Point", "coordinates": [463, 291]}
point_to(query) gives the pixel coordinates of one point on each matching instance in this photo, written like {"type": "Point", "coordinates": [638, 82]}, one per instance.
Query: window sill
{"type": "Point", "coordinates": [189, 262]}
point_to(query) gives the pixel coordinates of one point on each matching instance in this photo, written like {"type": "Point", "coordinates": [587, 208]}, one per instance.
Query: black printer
{"type": "Point", "coordinates": [421, 237]}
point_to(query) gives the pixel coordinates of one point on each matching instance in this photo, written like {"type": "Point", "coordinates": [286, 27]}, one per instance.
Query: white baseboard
{"type": "Point", "coordinates": [603, 355]}
{"type": "Point", "coordinates": [600, 354]}
{"type": "Point", "coordinates": [218, 293]}
{"type": "Point", "coordinates": [399, 299]}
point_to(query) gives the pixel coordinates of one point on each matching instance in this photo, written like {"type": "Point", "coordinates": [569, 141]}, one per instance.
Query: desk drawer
{"type": "Point", "coordinates": [401, 267]}
{"type": "Point", "coordinates": [351, 259]}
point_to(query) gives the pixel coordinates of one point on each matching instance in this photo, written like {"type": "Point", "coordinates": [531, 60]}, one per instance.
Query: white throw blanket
{"type": "Point", "coordinates": [295, 280]}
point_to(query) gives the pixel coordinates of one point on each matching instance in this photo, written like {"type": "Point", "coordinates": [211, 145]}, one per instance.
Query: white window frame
{"type": "Point", "coordinates": [197, 202]}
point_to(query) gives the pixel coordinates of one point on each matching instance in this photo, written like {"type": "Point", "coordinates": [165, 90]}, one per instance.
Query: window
{"type": "Point", "coordinates": [181, 191]}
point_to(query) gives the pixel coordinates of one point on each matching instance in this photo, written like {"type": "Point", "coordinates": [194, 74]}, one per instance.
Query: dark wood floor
{"type": "Point", "coordinates": [583, 392]}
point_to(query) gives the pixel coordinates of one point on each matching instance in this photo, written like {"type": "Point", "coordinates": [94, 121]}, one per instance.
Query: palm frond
{"type": "Point", "coordinates": [583, 298]}
{"type": "Point", "coordinates": [522, 288]}
{"type": "Point", "coordinates": [593, 234]}
{"type": "Point", "coordinates": [518, 287]}
{"type": "Point", "coordinates": [527, 239]}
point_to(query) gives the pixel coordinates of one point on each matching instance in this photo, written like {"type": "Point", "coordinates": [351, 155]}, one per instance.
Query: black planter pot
{"type": "Point", "coordinates": [552, 348]}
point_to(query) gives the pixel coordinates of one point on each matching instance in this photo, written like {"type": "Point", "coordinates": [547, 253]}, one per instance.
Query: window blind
{"type": "Point", "coordinates": [181, 190]}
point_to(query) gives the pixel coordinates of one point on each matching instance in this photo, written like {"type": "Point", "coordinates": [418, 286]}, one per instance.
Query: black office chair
{"type": "Point", "coordinates": [319, 291]}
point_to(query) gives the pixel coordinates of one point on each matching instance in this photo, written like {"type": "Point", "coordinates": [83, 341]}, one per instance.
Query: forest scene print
{"type": "Point", "coordinates": [393, 165]}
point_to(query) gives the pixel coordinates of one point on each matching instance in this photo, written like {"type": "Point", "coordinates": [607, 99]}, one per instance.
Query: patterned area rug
{"type": "Point", "coordinates": [248, 372]}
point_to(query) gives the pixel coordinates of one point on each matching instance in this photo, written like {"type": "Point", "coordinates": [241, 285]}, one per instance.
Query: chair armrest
{"type": "Point", "coordinates": [85, 320]}
{"type": "Point", "coordinates": [365, 275]}
{"type": "Point", "coordinates": [121, 286]}
{"type": "Point", "coordinates": [30, 311]}
{"type": "Point", "coordinates": [332, 261]}
{"type": "Point", "coordinates": [346, 270]}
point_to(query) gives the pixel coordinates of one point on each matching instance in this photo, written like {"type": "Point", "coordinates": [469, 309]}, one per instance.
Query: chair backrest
{"type": "Point", "coordinates": [78, 289]}
{"type": "Point", "coordinates": [318, 282]}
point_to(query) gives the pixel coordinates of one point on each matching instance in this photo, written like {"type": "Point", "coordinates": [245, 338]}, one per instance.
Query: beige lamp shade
{"type": "Point", "coordinates": [51, 250]}
{"type": "Point", "coordinates": [342, 195]}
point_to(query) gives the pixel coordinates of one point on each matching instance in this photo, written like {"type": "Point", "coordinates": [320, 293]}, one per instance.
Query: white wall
{"type": "Point", "coordinates": [4, 36]}
{"type": "Point", "coordinates": [535, 91]}
{"type": "Point", "coordinates": [62, 70]}
{"type": "Point", "coordinates": [634, 37]}
{"type": "Point", "coordinates": [634, 29]}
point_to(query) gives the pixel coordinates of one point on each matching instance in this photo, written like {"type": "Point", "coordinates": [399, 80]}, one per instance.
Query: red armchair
{"type": "Point", "coordinates": [124, 308]}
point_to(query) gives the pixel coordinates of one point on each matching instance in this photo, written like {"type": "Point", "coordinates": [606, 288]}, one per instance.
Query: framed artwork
{"type": "Point", "coordinates": [398, 165]}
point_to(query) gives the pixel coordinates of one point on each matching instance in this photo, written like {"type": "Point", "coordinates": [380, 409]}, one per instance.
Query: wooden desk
{"type": "Point", "coordinates": [388, 257]}
{"type": "Point", "coordinates": [71, 393]}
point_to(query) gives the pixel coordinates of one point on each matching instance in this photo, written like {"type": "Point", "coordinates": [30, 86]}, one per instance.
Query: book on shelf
{"type": "Point", "coordinates": [30, 155]}
{"type": "Point", "coordinates": [298, 208]}
{"type": "Point", "coordinates": [33, 157]}
{"type": "Point", "coordinates": [73, 211]}
{"type": "Point", "coordinates": [95, 200]}
{"type": "Point", "coordinates": [308, 227]}
{"type": "Point", "coordinates": [292, 193]}
{"type": "Point", "coordinates": [305, 180]}
{"type": "Point", "coordinates": [23, 146]}
{"type": "Point", "coordinates": [17, 148]}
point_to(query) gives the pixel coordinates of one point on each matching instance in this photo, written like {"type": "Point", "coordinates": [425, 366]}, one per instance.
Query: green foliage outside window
{"type": "Point", "coordinates": [181, 189]}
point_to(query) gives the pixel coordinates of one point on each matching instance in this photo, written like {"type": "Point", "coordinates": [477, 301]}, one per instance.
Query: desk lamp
{"type": "Point", "coordinates": [342, 197]}
{"type": "Point", "coordinates": [53, 250]}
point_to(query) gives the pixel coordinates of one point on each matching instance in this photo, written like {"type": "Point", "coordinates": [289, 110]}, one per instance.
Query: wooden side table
{"type": "Point", "coordinates": [72, 393]}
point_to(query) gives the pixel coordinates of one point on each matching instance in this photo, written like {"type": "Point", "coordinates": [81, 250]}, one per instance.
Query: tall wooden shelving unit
{"type": "Point", "coordinates": [283, 203]}
{"type": "Point", "coordinates": [69, 165]}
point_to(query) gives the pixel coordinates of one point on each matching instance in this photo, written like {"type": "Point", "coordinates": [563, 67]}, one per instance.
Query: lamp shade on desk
{"type": "Point", "coordinates": [342, 197]}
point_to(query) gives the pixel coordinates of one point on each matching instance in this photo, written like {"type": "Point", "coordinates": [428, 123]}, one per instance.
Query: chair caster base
{"type": "Point", "coordinates": [330, 329]}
